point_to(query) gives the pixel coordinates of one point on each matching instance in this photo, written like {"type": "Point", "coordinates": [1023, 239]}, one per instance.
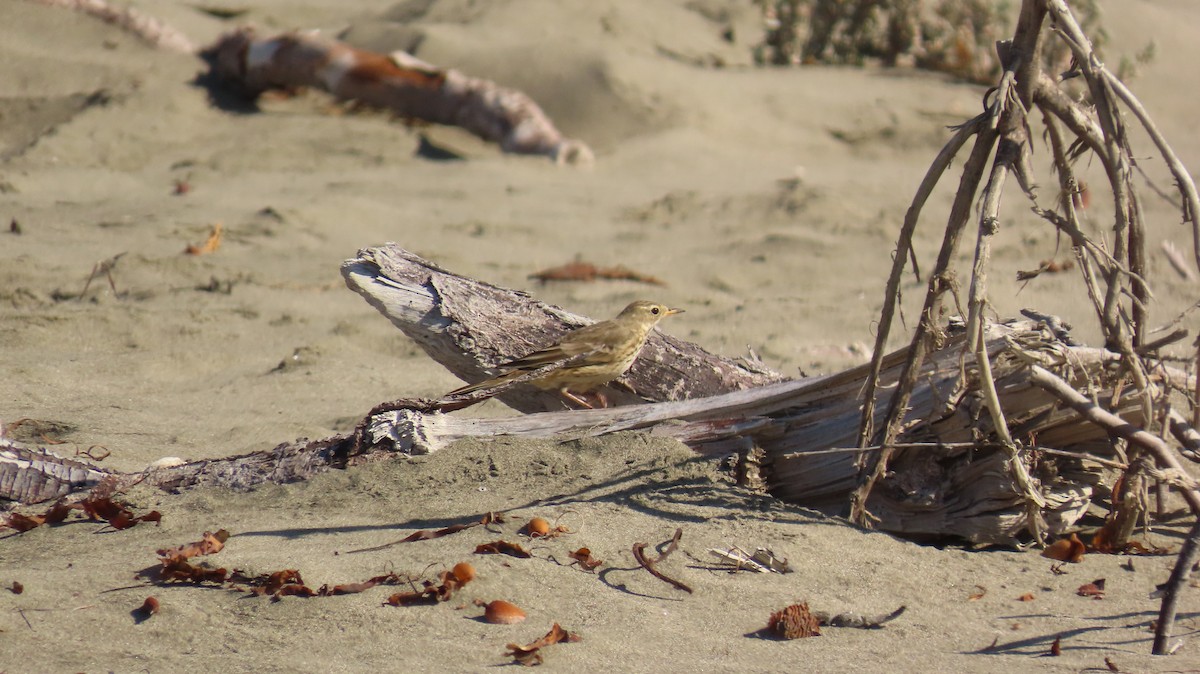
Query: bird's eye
{"type": "Point", "coordinates": [654, 311]}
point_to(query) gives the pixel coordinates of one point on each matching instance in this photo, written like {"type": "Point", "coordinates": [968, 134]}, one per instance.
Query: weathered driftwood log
{"type": "Point", "coordinates": [948, 475]}
{"type": "Point", "coordinates": [397, 82]}
{"type": "Point", "coordinates": [471, 327]}
{"type": "Point", "coordinates": [33, 475]}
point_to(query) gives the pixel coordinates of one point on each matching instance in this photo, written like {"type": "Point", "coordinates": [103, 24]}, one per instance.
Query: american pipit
{"type": "Point", "coordinates": [594, 354]}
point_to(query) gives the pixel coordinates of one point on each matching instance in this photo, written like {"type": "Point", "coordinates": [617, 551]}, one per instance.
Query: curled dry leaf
{"type": "Point", "coordinates": [273, 583]}
{"type": "Point", "coordinates": [1028, 596]}
{"type": "Point", "coordinates": [1066, 550]}
{"type": "Point", "coordinates": [980, 593]}
{"type": "Point", "coordinates": [210, 245]}
{"type": "Point", "coordinates": [53, 515]}
{"type": "Point", "coordinates": [1094, 589]}
{"type": "Point", "coordinates": [500, 612]}
{"type": "Point", "coordinates": [209, 544]}
{"type": "Point", "coordinates": [583, 557]}
{"type": "Point", "coordinates": [794, 622]}
{"type": "Point", "coordinates": [530, 655]}
{"type": "Point", "coordinates": [294, 590]}
{"type": "Point", "coordinates": [24, 523]}
{"type": "Point", "coordinates": [176, 568]}
{"type": "Point", "coordinates": [430, 592]}
{"type": "Point", "coordinates": [100, 506]}
{"type": "Point", "coordinates": [16, 588]}
{"type": "Point", "coordinates": [502, 548]}
{"type": "Point", "coordinates": [347, 588]}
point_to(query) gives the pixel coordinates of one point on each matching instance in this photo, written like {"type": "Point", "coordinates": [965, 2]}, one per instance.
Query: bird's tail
{"type": "Point", "coordinates": [494, 382]}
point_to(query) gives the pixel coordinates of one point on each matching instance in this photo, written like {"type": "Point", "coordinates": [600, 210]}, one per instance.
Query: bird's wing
{"type": "Point", "coordinates": [567, 350]}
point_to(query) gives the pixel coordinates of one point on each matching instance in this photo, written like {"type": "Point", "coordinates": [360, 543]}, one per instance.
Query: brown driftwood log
{"type": "Point", "coordinates": [398, 82]}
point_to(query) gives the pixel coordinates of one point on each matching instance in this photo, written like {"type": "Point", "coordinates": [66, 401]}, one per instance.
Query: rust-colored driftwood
{"type": "Point", "coordinates": [397, 82]}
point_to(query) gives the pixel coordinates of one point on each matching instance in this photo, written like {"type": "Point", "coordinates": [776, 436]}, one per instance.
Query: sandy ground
{"type": "Point", "coordinates": [768, 200]}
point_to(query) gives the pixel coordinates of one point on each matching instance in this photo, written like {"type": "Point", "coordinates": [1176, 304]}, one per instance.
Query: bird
{"type": "Point", "coordinates": [593, 355]}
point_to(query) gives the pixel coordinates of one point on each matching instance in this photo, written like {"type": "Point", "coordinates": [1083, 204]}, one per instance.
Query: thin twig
{"type": "Point", "coordinates": [891, 294]}
{"type": "Point", "coordinates": [1083, 456]}
{"type": "Point", "coordinates": [1189, 553]}
{"type": "Point", "coordinates": [939, 281]}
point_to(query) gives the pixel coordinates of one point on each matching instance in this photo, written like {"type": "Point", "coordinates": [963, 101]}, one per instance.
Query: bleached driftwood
{"type": "Point", "coordinates": [471, 327]}
{"type": "Point", "coordinates": [949, 476]}
{"type": "Point", "coordinates": [147, 28]}
{"type": "Point", "coordinates": [32, 475]}
{"type": "Point", "coordinates": [397, 82]}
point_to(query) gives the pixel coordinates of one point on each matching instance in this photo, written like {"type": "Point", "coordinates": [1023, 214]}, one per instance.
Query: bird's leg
{"type": "Point", "coordinates": [582, 402]}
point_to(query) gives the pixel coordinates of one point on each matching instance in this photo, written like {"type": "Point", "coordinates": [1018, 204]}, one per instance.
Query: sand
{"type": "Point", "coordinates": [768, 200]}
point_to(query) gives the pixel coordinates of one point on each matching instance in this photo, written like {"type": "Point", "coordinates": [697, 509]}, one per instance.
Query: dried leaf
{"type": "Point", "coordinates": [1028, 596]}
{"type": "Point", "coordinates": [1066, 550]}
{"type": "Point", "coordinates": [583, 557]}
{"type": "Point", "coordinates": [99, 506]}
{"type": "Point", "coordinates": [24, 523]}
{"type": "Point", "coordinates": [16, 588]}
{"type": "Point", "coordinates": [294, 590]}
{"type": "Point", "coordinates": [209, 544]}
{"type": "Point", "coordinates": [210, 245]}
{"type": "Point", "coordinates": [530, 655]}
{"type": "Point", "coordinates": [350, 588]}
{"type": "Point", "coordinates": [980, 593]}
{"type": "Point", "coordinates": [413, 598]}
{"type": "Point", "coordinates": [1056, 647]}
{"type": "Point", "coordinates": [431, 593]}
{"type": "Point", "coordinates": [57, 513]}
{"type": "Point", "coordinates": [502, 548]}
{"type": "Point", "coordinates": [126, 520]}
{"type": "Point", "coordinates": [794, 622]}
{"type": "Point", "coordinates": [1094, 589]}
{"type": "Point", "coordinates": [272, 583]}
{"type": "Point", "coordinates": [586, 271]}
{"type": "Point", "coordinates": [177, 569]}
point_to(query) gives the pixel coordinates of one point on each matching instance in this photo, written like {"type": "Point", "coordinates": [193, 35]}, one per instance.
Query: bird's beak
{"type": "Point", "coordinates": [672, 312]}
